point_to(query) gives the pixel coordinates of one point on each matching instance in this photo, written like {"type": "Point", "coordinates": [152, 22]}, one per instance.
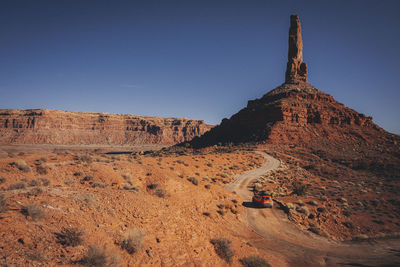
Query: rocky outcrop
{"type": "Point", "coordinates": [296, 113]}
{"type": "Point", "coordinates": [296, 69]}
{"type": "Point", "coordinates": [291, 113]}
{"type": "Point", "coordinates": [42, 126]}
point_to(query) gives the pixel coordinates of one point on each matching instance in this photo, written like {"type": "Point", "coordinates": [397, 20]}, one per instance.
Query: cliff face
{"type": "Point", "coordinates": [40, 126]}
{"type": "Point", "coordinates": [293, 113]}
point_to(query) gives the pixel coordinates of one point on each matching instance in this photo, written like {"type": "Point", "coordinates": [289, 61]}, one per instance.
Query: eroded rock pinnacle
{"type": "Point", "coordinates": [296, 70]}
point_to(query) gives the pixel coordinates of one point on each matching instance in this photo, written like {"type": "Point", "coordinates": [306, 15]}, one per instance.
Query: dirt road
{"type": "Point", "coordinates": [302, 248]}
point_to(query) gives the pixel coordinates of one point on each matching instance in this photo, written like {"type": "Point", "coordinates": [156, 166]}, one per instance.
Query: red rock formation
{"type": "Point", "coordinates": [297, 114]}
{"type": "Point", "coordinates": [41, 126]}
{"type": "Point", "coordinates": [296, 69]}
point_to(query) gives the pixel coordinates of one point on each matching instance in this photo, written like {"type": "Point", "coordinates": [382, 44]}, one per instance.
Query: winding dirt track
{"type": "Point", "coordinates": [302, 248]}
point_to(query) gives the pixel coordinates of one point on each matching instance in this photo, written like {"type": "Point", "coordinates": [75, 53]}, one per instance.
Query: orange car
{"type": "Point", "coordinates": [263, 199]}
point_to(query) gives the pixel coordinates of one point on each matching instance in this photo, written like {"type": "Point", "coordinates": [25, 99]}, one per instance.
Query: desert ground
{"type": "Point", "coordinates": [72, 206]}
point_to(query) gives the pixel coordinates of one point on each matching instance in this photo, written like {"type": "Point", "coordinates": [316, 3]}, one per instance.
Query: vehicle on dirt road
{"type": "Point", "coordinates": [263, 199]}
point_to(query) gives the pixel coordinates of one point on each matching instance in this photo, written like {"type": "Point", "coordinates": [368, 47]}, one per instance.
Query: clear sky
{"type": "Point", "coordinates": [195, 59]}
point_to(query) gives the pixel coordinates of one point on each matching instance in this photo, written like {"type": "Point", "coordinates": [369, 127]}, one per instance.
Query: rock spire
{"type": "Point", "coordinates": [296, 70]}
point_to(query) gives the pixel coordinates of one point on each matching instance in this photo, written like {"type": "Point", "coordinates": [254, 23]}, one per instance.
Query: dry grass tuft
{"type": "Point", "coordinates": [160, 192]}
{"type": "Point", "coordinates": [193, 180]}
{"type": "Point", "coordinates": [21, 165]}
{"type": "Point", "coordinates": [33, 211]}
{"type": "Point", "coordinates": [41, 169]}
{"type": "Point", "coordinates": [98, 257]}
{"type": "Point", "coordinates": [3, 204]}
{"type": "Point", "coordinates": [70, 237]}
{"type": "Point", "coordinates": [132, 240]}
{"type": "Point", "coordinates": [223, 248]}
{"type": "Point", "coordinates": [16, 186]}
{"type": "Point", "coordinates": [254, 261]}
{"type": "Point", "coordinates": [127, 177]}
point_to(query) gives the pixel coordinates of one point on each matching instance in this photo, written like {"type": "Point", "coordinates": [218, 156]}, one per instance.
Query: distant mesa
{"type": "Point", "coordinates": [43, 126]}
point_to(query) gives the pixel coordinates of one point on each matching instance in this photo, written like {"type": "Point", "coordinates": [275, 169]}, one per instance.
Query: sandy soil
{"type": "Point", "coordinates": [300, 248]}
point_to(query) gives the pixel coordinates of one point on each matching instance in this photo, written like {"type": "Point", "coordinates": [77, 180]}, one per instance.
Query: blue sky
{"type": "Point", "coordinates": [194, 59]}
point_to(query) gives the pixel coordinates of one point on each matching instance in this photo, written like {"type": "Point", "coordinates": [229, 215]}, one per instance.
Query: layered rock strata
{"type": "Point", "coordinates": [41, 126]}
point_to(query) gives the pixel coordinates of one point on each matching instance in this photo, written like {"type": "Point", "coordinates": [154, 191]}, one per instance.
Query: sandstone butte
{"type": "Point", "coordinates": [43, 126]}
{"type": "Point", "coordinates": [297, 113]}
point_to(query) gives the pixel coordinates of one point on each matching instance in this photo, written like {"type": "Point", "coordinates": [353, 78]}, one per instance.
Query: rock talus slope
{"type": "Point", "coordinates": [42, 126]}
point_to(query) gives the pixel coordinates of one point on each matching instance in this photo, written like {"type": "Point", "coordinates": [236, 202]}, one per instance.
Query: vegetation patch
{"type": "Point", "coordinates": [21, 165]}
{"type": "Point", "coordinates": [33, 211]}
{"type": "Point", "coordinates": [132, 240]}
{"type": "Point", "coordinates": [160, 192]}
{"type": "Point", "coordinates": [16, 186]}
{"type": "Point", "coordinates": [254, 261]}
{"type": "Point", "coordinates": [70, 237]}
{"type": "Point", "coordinates": [223, 248]}
{"type": "Point", "coordinates": [99, 257]}
{"type": "Point", "coordinates": [41, 169]}
{"type": "Point", "coordinates": [193, 180]}
{"type": "Point", "coordinates": [299, 188]}
{"type": "Point", "coordinates": [3, 204]}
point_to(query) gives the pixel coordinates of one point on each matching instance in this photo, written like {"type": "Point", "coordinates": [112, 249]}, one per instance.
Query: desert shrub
{"type": "Point", "coordinates": [77, 173]}
{"type": "Point", "coordinates": [34, 182]}
{"type": "Point", "coordinates": [89, 199]}
{"type": "Point", "coordinates": [206, 214]}
{"type": "Point", "coordinates": [2, 180]}
{"type": "Point", "coordinates": [88, 178]}
{"type": "Point", "coordinates": [254, 261]}
{"type": "Point", "coordinates": [33, 211]}
{"type": "Point", "coordinates": [160, 192]}
{"type": "Point", "coordinates": [127, 177]}
{"type": "Point", "coordinates": [34, 192]}
{"type": "Point", "coordinates": [299, 188]}
{"type": "Point", "coordinates": [303, 210]}
{"type": "Point", "coordinates": [290, 206]}
{"type": "Point", "coordinates": [318, 231]}
{"type": "Point", "coordinates": [21, 165]}
{"type": "Point", "coordinates": [15, 186]}
{"type": "Point", "coordinates": [41, 169]}
{"type": "Point", "coordinates": [130, 187]}
{"type": "Point", "coordinates": [70, 237]}
{"type": "Point", "coordinates": [221, 212]}
{"type": "Point", "coordinates": [193, 180]}
{"type": "Point", "coordinates": [45, 181]}
{"type": "Point", "coordinates": [3, 204]}
{"type": "Point", "coordinates": [85, 158]}
{"type": "Point", "coordinates": [98, 257]}
{"type": "Point", "coordinates": [98, 184]}
{"type": "Point", "coordinates": [207, 186]}
{"type": "Point", "coordinates": [223, 248]}
{"type": "Point", "coordinates": [36, 255]}
{"type": "Point", "coordinates": [132, 240]}
{"type": "Point", "coordinates": [152, 186]}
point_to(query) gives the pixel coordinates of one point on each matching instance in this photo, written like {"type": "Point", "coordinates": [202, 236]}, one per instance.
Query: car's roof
{"type": "Point", "coordinates": [263, 193]}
